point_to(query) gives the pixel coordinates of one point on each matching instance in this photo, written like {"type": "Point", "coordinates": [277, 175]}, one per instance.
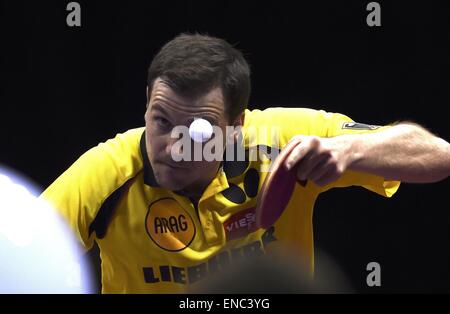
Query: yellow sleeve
{"type": "Point", "coordinates": [288, 122]}
{"type": "Point", "coordinates": [81, 190]}
{"type": "Point", "coordinates": [368, 181]}
{"type": "Point", "coordinates": [305, 121]}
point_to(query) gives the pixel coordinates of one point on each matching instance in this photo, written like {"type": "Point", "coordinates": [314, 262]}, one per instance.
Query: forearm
{"type": "Point", "coordinates": [404, 152]}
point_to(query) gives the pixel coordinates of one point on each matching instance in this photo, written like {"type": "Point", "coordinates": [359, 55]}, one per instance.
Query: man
{"type": "Point", "coordinates": [164, 225]}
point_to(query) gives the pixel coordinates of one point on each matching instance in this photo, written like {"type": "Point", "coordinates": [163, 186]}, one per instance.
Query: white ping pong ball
{"type": "Point", "coordinates": [200, 130]}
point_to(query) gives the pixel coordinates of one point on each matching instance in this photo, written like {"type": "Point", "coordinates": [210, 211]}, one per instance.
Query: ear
{"type": "Point", "coordinates": [240, 119]}
{"type": "Point", "coordinates": [237, 124]}
{"type": "Point", "coordinates": [148, 98]}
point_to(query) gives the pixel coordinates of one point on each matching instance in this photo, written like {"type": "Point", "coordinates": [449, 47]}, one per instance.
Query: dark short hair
{"type": "Point", "coordinates": [193, 64]}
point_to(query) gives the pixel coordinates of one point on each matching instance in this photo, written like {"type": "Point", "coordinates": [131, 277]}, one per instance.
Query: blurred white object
{"type": "Point", "coordinates": [38, 253]}
{"type": "Point", "coordinates": [200, 130]}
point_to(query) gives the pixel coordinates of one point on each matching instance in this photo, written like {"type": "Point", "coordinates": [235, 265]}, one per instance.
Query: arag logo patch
{"type": "Point", "coordinates": [169, 225]}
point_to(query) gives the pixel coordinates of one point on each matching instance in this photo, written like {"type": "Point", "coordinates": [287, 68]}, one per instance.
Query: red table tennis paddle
{"type": "Point", "coordinates": [276, 190]}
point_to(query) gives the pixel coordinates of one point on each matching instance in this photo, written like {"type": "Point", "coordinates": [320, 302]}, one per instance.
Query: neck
{"type": "Point", "coordinates": [196, 190]}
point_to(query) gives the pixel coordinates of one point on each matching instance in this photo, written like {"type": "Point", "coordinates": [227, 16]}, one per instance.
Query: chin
{"type": "Point", "coordinates": [172, 186]}
{"type": "Point", "coordinates": [171, 182]}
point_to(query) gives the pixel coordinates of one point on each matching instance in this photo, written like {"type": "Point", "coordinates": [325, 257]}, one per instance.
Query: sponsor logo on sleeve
{"type": "Point", "coordinates": [359, 126]}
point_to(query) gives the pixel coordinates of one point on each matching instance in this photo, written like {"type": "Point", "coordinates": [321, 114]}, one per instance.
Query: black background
{"type": "Point", "coordinates": [63, 90]}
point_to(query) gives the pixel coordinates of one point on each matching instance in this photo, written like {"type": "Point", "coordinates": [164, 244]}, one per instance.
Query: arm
{"type": "Point", "coordinates": [404, 152]}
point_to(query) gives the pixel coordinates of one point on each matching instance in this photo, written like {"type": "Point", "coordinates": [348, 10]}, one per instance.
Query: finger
{"type": "Point", "coordinates": [328, 178]}
{"type": "Point", "coordinates": [301, 150]}
{"type": "Point", "coordinates": [296, 137]}
{"type": "Point", "coordinates": [308, 165]}
{"type": "Point", "coordinates": [331, 175]}
{"type": "Point", "coordinates": [297, 153]}
{"type": "Point", "coordinates": [320, 171]}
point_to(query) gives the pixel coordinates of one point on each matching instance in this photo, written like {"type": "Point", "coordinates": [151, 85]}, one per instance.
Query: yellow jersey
{"type": "Point", "coordinates": [153, 240]}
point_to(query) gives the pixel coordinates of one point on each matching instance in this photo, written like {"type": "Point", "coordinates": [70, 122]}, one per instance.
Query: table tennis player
{"type": "Point", "coordinates": [164, 222]}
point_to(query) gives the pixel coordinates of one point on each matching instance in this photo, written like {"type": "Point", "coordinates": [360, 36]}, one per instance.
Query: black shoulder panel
{"type": "Point", "coordinates": [106, 211]}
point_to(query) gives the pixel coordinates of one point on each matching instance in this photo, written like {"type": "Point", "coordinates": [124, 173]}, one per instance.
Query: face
{"type": "Point", "coordinates": [165, 110]}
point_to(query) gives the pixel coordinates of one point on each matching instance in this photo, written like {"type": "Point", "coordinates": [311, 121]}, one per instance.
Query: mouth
{"type": "Point", "coordinates": [171, 165]}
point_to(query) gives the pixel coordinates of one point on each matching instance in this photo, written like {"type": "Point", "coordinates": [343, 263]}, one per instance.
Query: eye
{"type": "Point", "coordinates": [161, 122]}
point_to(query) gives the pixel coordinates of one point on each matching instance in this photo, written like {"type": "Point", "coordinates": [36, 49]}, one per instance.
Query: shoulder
{"type": "Point", "coordinates": [105, 167]}
{"type": "Point", "coordinates": [122, 147]}
{"type": "Point", "coordinates": [285, 115]}
{"type": "Point", "coordinates": [292, 121]}
{"type": "Point", "coordinates": [123, 151]}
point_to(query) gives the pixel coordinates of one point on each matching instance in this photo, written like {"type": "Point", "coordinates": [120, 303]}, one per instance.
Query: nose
{"type": "Point", "coordinates": [184, 149]}
{"type": "Point", "coordinates": [174, 148]}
